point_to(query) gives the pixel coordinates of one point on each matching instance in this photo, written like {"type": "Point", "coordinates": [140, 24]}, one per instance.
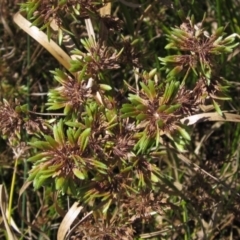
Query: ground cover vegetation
{"type": "Point", "coordinates": [119, 119]}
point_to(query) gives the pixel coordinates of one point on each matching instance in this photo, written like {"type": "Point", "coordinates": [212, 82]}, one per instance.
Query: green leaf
{"type": "Point", "coordinates": [70, 136]}
{"type": "Point", "coordinates": [59, 182]}
{"type": "Point", "coordinates": [169, 59]}
{"type": "Point", "coordinates": [32, 9]}
{"type": "Point", "coordinates": [62, 2]}
{"type": "Point", "coordinates": [135, 99]}
{"type": "Point", "coordinates": [33, 173]}
{"type": "Point", "coordinates": [175, 72]}
{"type": "Point", "coordinates": [83, 138]}
{"type": "Point", "coordinates": [47, 172]}
{"type": "Point", "coordinates": [162, 108]}
{"type": "Point", "coordinates": [38, 157]}
{"type": "Point", "coordinates": [82, 74]}
{"type": "Point", "coordinates": [152, 88]}
{"type": "Point", "coordinates": [38, 21]}
{"type": "Point", "coordinates": [76, 65]}
{"type": "Point", "coordinates": [171, 46]}
{"type": "Point", "coordinates": [49, 31]}
{"type": "Point", "coordinates": [75, 124]}
{"type": "Point", "coordinates": [76, 11]}
{"type": "Point", "coordinates": [146, 90]}
{"type": "Point", "coordinates": [111, 116]}
{"type": "Point", "coordinates": [217, 107]}
{"type": "Point", "coordinates": [141, 107]}
{"type": "Point", "coordinates": [60, 36]}
{"type": "Point", "coordinates": [129, 114]}
{"type": "Point", "coordinates": [106, 206]}
{"type": "Point", "coordinates": [143, 143]}
{"type": "Point", "coordinates": [172, 109]}
{"type": "Point", "coordinates": [41, 145]}
{"type": "Point", "coordinates": [219, 32]}
{"type": "Point", "coordinates": [58, 132]}
{"type": "Point", "coordinates": [168, 92]}
{"type": "Point", "coordinates": [160, 123]}
{"type": "Point", "coordinates": [67, 109]}
{"type": "Point", "coordinates": [152, 73]}
{"type": "Point", "coordinates": [157, 138]}
{"type": "Point", "coordinates": [154, 178]}
{"type": "Point", "coordinates": [141, 116]}
{"type": "Point", "coordinates": [105, 87]}
{"type": "Point", "coordinates": [78, 173]}
{"type": "Point", "coordinates": [127, 108]}
{"type": "Point", "coordinates": [184, 134]}
{"type": "Point", "coordinates": [65, 186]}
{"type": "Point", "coordinates": [99, 164]}
{"type": "Point", "coordinates": [127, 169]}
{"type": "Point", "coordinates": [77, 134]}
{"type": "Point", "coordinates": [59, 73]}
{"type": "Point", "coordinates": [55, 106]}
{"type": "Point", "coordinates": [131, 189]}
{"type": "Point", "coordinates": [52, 142]}
{"type": "Point", "coordinates": [40, 181]}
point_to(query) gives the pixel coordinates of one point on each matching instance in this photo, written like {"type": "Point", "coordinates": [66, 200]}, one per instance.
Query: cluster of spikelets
{"type": "Point", "coordinates": [106, 148]}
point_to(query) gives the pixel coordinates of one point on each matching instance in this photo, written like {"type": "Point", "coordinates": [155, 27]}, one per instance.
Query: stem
{"type": "Point", "coordinates": [219, 19]}
{"type": "Point", "coordinates": [12, 190]}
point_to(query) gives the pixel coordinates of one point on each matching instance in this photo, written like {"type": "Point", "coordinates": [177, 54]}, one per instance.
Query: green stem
{"type": "Point", "coordinates": [12, 191]}
{"type": "Point", "coordinates": [219, 19]}
{"type": "Point", "coordinates": [185, 219]}
{"type": "Point", "coordinates": [26, 137]}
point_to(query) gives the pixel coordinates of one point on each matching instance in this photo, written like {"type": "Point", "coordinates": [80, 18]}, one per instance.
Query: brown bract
{"type": "Point", "coordinates": [10, 121]}
{"type": "Point", "coordinates": [86, 8]}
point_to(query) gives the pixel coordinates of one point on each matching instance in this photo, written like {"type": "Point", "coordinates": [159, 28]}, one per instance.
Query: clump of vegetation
{"type": "Point", "coordinates": [117, 141]}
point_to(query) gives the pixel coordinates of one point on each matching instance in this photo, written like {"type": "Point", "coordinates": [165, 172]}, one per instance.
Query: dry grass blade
{"type": "Point", "coordinates": [154, 234]}
{"type": "Point", "coordinates": [3, 207]}
{"type": "Point", "coordinates": [90, 31]}
{"type": "Point", "coordinates": [68, 220]}
{"type": "Point", "coordinates": [213, 128]}
{"type": "Point", "coordinates": [106, 10]}
{"type": "Point", "coordinates": [42, 38]}
{"type": "Point", "coordinates": [77, 224]}
{"type": "Point", "coordinates": [205, 117]}
{"type": "Point", "coordinates": [233, 54]}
